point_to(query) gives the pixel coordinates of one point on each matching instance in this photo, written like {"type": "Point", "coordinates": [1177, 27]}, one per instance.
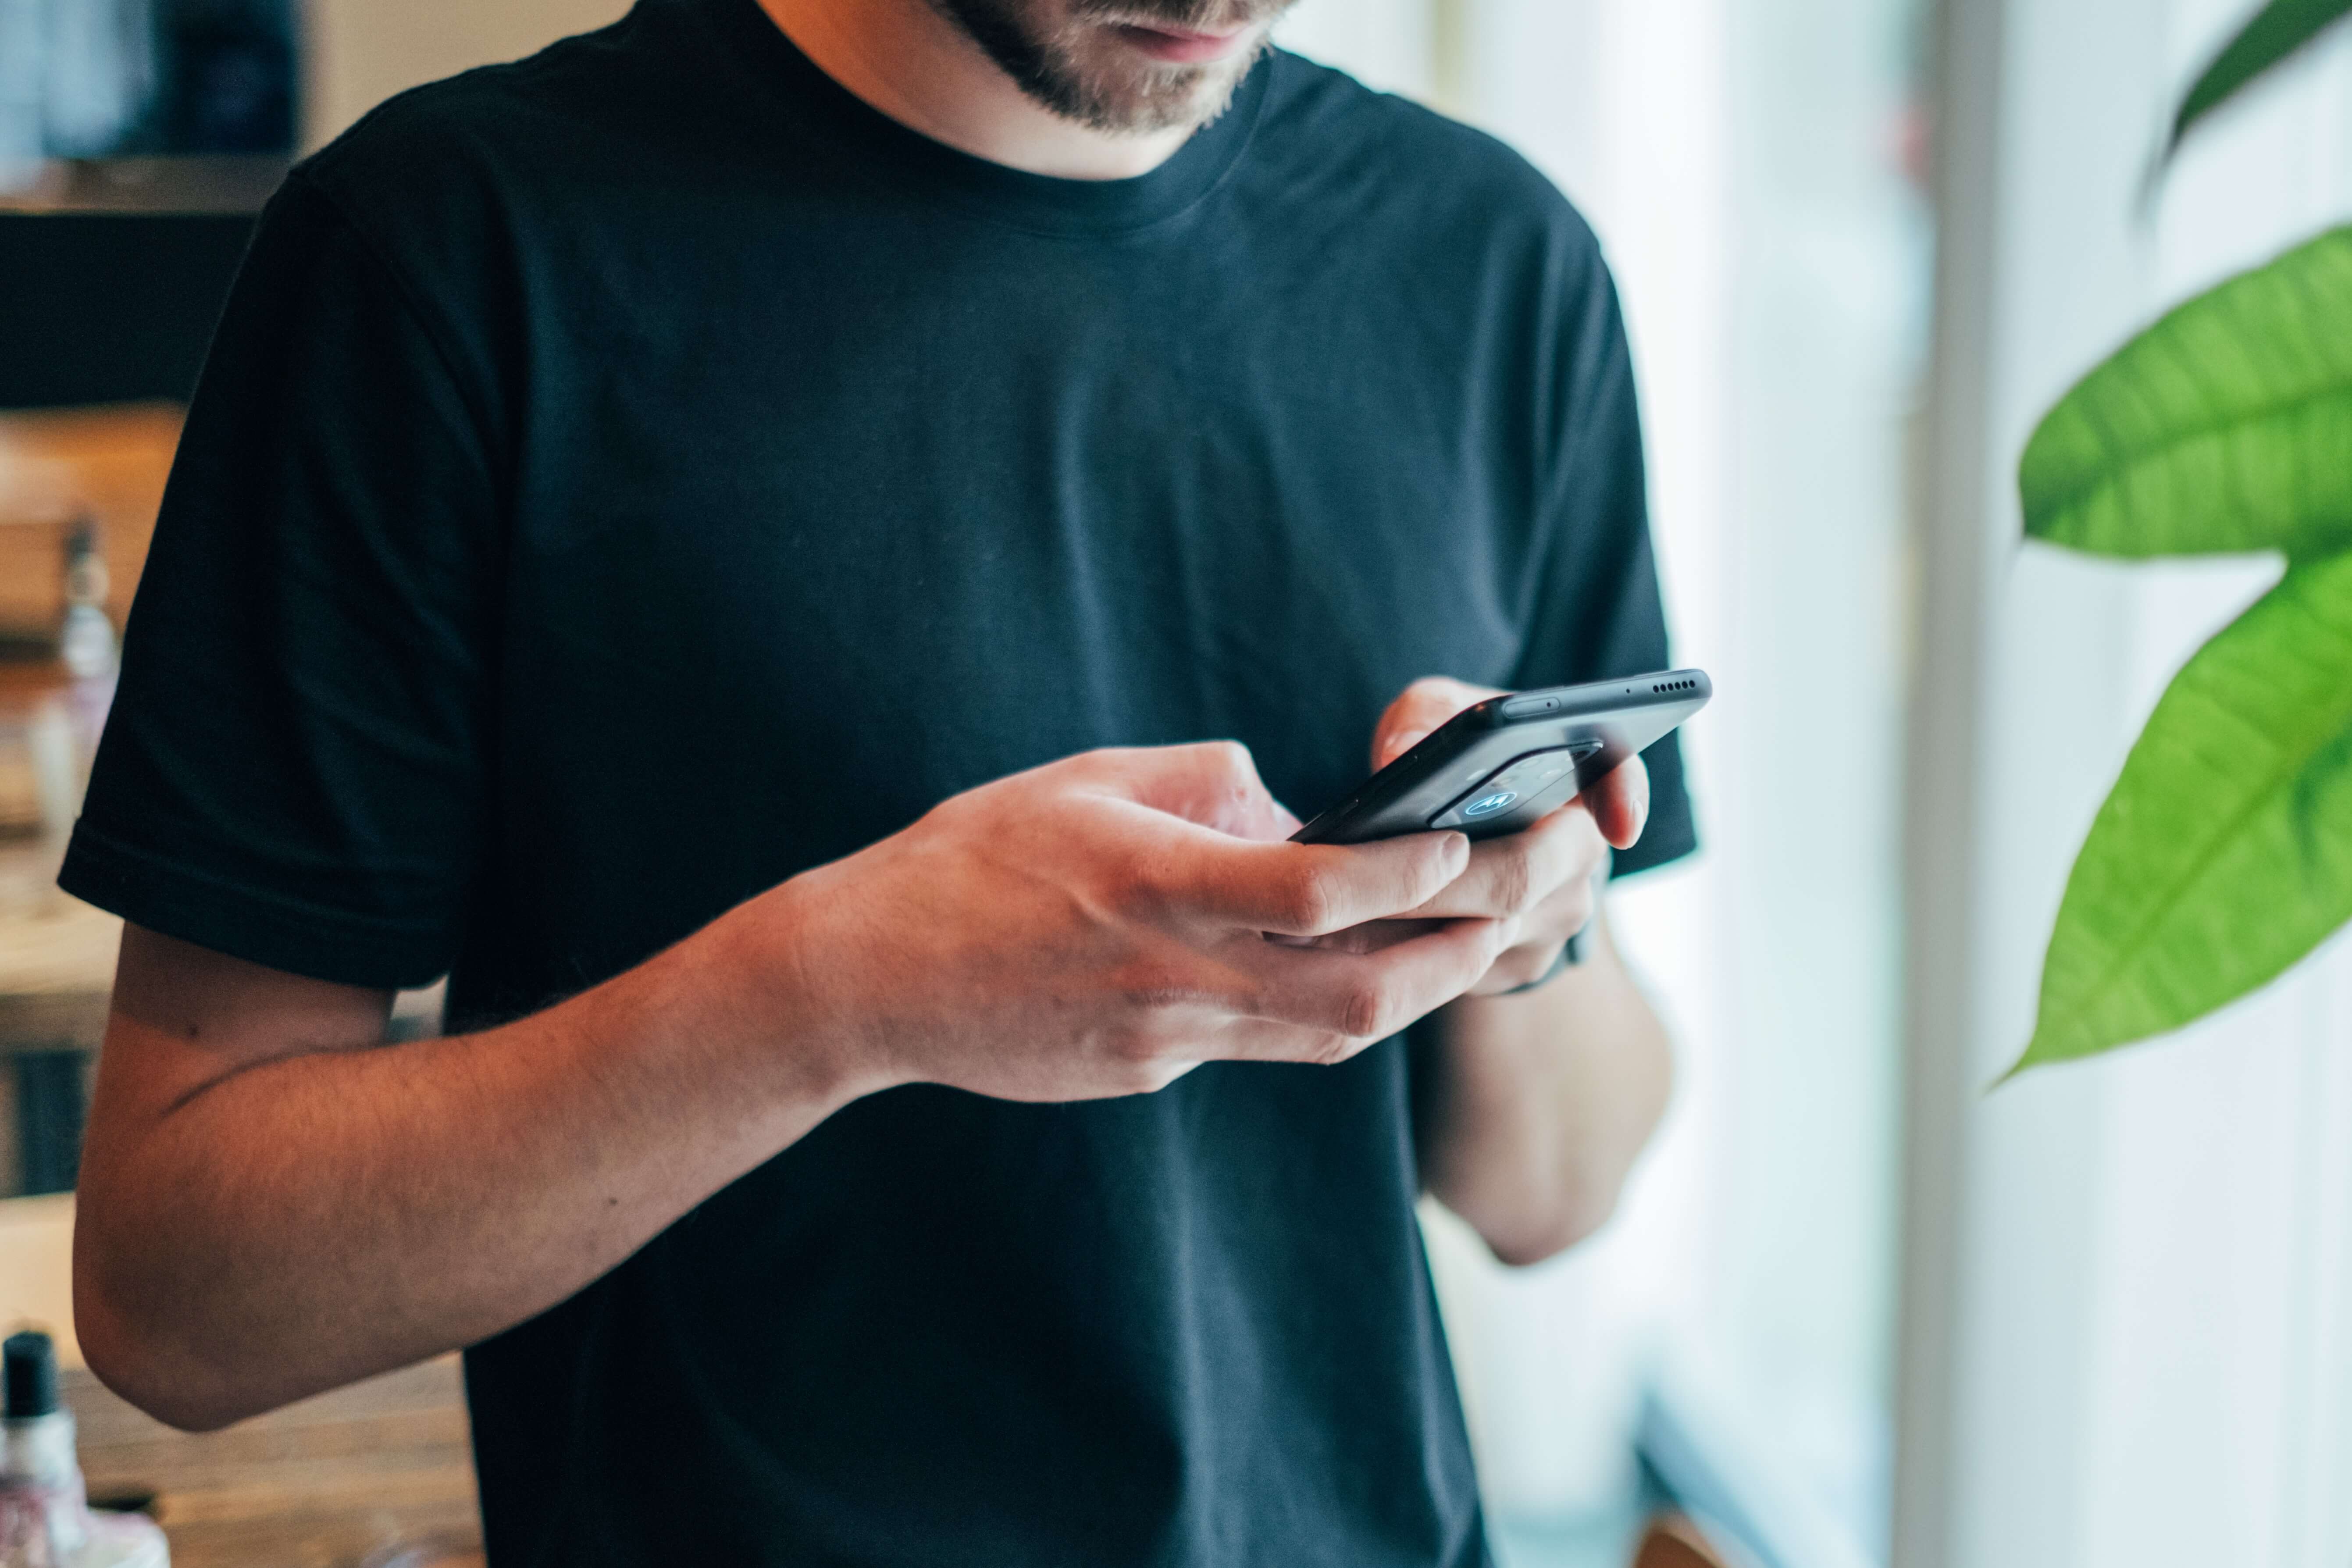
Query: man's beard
{"type": "Point", "coordinates": [1052, 64]}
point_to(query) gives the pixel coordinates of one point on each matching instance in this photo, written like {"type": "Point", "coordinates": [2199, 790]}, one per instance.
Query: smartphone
{"type": "Point", "coordinates": [1497, 767]}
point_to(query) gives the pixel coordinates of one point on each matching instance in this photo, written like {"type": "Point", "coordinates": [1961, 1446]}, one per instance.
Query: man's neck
{"type": "Point", "coordinates": [912, 64]}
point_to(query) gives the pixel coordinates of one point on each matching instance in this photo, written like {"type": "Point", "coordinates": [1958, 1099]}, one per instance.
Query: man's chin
{"type": "Point", "coordinates": [1097, 66]}
{"type": "Point", "coordinates": [1125, 99]}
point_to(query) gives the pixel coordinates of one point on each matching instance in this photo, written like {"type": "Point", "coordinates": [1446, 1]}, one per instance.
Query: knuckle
{"type": "Point", "coordinates": [1135, 1047]}
{"type": "Point", "coordinates": [1366, 1012]}
{"type": "Point", "coordinates": [1514, 883]}
{"type": "Point", "coordinates": [1432, 868]}
{"type": "Point", "coordinates": [1310, 898]}
{"type": "Point", "coordinates": [1233, 760]}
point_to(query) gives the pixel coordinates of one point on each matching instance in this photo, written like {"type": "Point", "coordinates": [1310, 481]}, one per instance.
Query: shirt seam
{"type": "Point", "coordinates": [107, 846]}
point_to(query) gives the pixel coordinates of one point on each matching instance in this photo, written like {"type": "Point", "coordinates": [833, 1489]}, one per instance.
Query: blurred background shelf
{"type": "Point", "coordinates": [237, 184]}
{"type": "Point", "coordinates": [321, 1484]}
{"type": "Point", "coordinates": [87, 481]}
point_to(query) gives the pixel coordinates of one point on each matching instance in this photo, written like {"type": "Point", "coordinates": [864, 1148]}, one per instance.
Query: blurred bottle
{"type": "Point", "coordinates": [44, 1516]}
{"type": "Point", "coordinates": [85, 637]}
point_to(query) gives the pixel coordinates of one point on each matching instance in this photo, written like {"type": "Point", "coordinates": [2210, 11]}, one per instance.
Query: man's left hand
{"type": "Point", "coordinates": [1541, 879]}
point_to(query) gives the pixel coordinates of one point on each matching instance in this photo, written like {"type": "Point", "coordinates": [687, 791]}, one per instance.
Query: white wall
{"type": "Point", "coordinates": [1386, 44]}
{"type": "Point", "coordinates": [364, 51]}
{"type": "Point", "coordinates": [37, 1268]}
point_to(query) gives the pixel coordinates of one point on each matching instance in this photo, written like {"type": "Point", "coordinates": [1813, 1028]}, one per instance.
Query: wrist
{"type": "Point", "coordinates": [785, 991]}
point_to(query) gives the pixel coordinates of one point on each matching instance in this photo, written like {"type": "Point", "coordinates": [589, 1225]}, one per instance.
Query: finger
{"type": "Point", "coordinates": [1369, 997]}
{"type": "Point", "coordinates": [1214, 784]}
{"type": "Point", "coordinates": [1512, 875]}
{"type": "Point", "coordinates": [1619, 802]}
{"type": "Point", "coordinates": [1520, 966]}
{"type": "Point", "coordinates": [1369, 937]}
{"type": "Point", "coordinates": [1305, 889]}
{"type": "Point", "coordinates": [1419, 708]}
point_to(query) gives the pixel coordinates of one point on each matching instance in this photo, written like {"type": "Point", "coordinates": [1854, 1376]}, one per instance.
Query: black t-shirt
{"type": "Point", "coordinates": [624, 479]}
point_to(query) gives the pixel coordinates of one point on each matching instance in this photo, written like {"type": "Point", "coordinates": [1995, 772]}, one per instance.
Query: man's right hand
{"type": "Point", "coordinates": [272, 1206]}
{"type": "Point", "coordinates": [1100, 926]}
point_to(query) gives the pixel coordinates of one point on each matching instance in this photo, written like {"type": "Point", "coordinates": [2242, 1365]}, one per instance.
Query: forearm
{"type": "Point", "coordinates": [273, 1203]}
{"type": "Point", "coordinates": [333, 1213]}
{"type": "Point", "coordinates": [1540, 1102]}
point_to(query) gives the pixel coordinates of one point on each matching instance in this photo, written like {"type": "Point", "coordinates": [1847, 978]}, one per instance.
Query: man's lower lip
{"type": "Point", "coordinates": [1183, 48]}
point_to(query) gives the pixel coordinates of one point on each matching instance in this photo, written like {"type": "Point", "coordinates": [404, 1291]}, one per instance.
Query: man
{"type": "Point", "coordinates": [671, 535]}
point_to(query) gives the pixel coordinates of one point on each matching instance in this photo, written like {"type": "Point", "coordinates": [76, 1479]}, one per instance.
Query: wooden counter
{"type": "Point", "coordinates": [316, 1485]}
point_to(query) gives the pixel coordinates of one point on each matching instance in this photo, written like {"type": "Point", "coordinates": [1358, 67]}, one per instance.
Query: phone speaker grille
{"type": "Point", "coordinates": [1674, 686]}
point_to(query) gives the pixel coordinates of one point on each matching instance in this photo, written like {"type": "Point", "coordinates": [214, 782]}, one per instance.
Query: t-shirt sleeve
{"type": "Point", "coordinates": [293, 771]}
{"type": "Point", "coordinates": [1596, 613]}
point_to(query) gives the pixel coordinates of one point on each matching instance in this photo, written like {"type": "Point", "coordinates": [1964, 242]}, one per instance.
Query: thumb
{"type": "Point", "coordinates": [1213, 784]}
{"type": "Point", "coordinates": [1619, 803]}
{"type": "Point", "coordinates": [1419, 708]}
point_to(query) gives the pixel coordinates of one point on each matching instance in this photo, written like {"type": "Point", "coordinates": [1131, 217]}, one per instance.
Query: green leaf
{"type": "Point", "coordinates": [2279, 29]}
{"type": "Point", "coordinates": [2225, 427]}
{"type": "Point", "coordinates": [2224, 853]}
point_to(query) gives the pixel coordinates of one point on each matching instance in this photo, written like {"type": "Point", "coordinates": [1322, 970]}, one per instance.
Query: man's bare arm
{"type": "Point", "coordinates": [272, 1204]}
{"type": "Point", "coordinates": [1538, 1105]}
